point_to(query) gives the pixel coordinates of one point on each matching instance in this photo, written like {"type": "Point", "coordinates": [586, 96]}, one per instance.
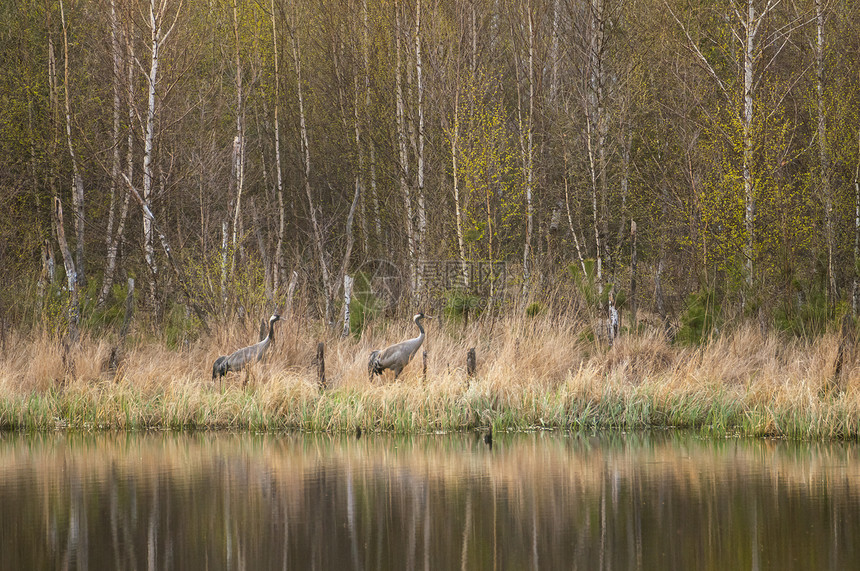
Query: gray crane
{"type": "Point", "coordinates": [397, 356]}
{"type": "Point", "coordinates": [251, 354]}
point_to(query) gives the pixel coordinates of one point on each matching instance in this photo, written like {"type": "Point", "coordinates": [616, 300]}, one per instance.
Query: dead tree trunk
{"type": "Point", "coordinates": [71, 274]}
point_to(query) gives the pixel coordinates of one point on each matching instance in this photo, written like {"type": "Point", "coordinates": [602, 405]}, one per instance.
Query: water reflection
{"type": "Point", "coordinates": [545, 500]}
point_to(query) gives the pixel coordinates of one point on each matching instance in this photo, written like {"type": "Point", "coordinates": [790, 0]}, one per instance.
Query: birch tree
{"type": "Point", "coordinates": [158, 11]}
{"type": "Point", "coordinates": [525, 119]}
{"type": "Point", "coordinates": [77, 179]}
{"type": "Point", "coordinates": [746, 31]}
{"type": "Point", "coordinates": [823, 152]}
{"type": "Point", "coordinates": [279, 247]}
{"type": "Point", "coordinates": [403, 151]}
{"type": "Point", "coordinates": [116, 228]}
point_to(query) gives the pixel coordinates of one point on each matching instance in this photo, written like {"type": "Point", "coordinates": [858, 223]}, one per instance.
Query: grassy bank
{"type": "Point", "coordinates": [532, 372]}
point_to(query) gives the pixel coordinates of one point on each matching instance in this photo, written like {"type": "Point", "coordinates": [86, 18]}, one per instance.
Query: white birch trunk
{"type": "Point", "coordinates": [77, 180]}
{"type": "Point", "coordinates": [347, 296]}
{"type": "Point", "coordinates": [149, 135]}
{"type": "Point", "coordinates": [359, 149]}
{"type": "Point", "coordinates": [71, 274]}
{"type": "Point", "coordinates": [458, 215]}
{"type": "Point", "coordinates": [855, 298]}
{"type": "Point", "coordinates": [374, 196]}
{"type": "Point", "coordinates": [402, 138]}
{"type": "Point", "coordinates": [422, 210]}
{"type": "Point", "coordinates": [528, 158]}
{"type": "Point", "coordinates": [823, 154]}
{"type": "Point", "coordinates": [279, 248]}
{"type": "Point", "coordinates": [751, 27]}
{"type": "Point", "coordinates": [570, 216]}
{"type": "Point", "coordinates": [114, 236]}
{"type": "Point", "coordinates": [592, 168]}
{"type": "Point", "coordinates": [225, 260]}
{"type": "Point", "coordinates": [238, 142]}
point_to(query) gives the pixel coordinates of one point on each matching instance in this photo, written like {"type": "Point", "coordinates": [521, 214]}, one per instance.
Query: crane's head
{"type": "Point", "coordinates": [275, 317]}
{"type": "Point", "coordinates": [419, 316]}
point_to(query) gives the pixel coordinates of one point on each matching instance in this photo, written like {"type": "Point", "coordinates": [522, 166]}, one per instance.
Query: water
{"type": "Point", "coordinates": [661, 500]}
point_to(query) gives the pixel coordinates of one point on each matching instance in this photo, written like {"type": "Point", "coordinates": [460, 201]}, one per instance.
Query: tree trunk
{"type": "Point", "coordinates": [347, 297]}
{"type": "Point", "coordinates": [402, 138]}
{"type": "Point", "coordinates": [823, 153]}
{"type": "Point", "coordinates": [157, 38]}
{"type": "Point", "coordinates": [458, 215]}
{"type": "Point", "coordinates": [422, 210]}
{"type": "Point", "coordinates": [751, 27]}
{"type": "Point", "coordinates": [374, 197]}
{"type": "Point", "coordinates": [633, 298]}
{"type": "Point", "coordinates": [570, 216]}
{"type": "Point", "coordinates": [279, 248]}
{"type": "Point", "coordinates": [264, 255]}
{"type": "Point", "coordinates": [168, 252]}
{"type": "Point", "coordinates": [113, 238]}
{"type": "Point", "coordinates": [77, 180]}
{"type": "Point", "coordinates": [528, 155]}
{"type": "Point", "coordinates": [71, 274]}
{"type": "Point", "coordinates": [855, 298]}
{"type": "Point", "coordinates": [238, 144]}
{"type": "Point", "coordinates": [306, 163]}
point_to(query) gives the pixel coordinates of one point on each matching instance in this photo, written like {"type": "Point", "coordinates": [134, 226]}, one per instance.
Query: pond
{"type": "Point", "coordinates": [543, 500]}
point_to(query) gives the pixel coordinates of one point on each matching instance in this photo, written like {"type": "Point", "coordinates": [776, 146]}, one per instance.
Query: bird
{"type": "Point", "coordinates": [242, 357]}
{"type": "Point", "coordinates": [397, 356]}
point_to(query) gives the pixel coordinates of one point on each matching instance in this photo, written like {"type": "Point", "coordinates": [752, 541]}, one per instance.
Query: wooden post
{"type": "Point", "coordinates": [471, 364]}
{"type": "Point", "coordinates": [320, 362]}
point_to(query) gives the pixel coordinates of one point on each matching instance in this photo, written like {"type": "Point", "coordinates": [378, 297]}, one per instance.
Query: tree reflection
{"type": "Point", "coordinates": [534, 501]}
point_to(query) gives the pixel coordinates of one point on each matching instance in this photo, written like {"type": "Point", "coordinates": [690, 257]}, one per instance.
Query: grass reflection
{"type": "Point", "coordinates": [661, 499]}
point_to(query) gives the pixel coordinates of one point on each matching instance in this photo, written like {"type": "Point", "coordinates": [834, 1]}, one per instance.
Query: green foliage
{"type": "Point", "coordinates": [489, 168]}
{"type": "Point", "coordinates": [112, 314]}
{"type": "Point", "coordinates": [585, 282]}
{"type": "Point", "coordinates": [364, 305]}
{"type": "Point", "coordinates": [180, 325]}
{"type": "Point", "coordinates": [586, 285]}
{"type": "Point", "coordinates": [699, 318]}
{"type": "Point", "coordinates": [535, 308]}
{"type": "Point", "coordinates": [808, 313]}
{"type": "Point", "coordinates": [459, 304]}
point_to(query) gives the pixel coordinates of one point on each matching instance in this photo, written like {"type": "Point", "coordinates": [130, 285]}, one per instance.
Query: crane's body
{"type": "Point", "coordinates": [242, 357]}
{"type": "Point", "coordinates": [396, 357]}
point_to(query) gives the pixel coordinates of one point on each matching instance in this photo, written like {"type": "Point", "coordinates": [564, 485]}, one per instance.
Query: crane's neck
{"type": "Point", "coordinates": [271, 335]}
{"type": "Point", "coordinates": [420, 329]}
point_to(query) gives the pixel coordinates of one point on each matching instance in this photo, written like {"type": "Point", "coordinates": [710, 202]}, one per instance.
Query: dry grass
{"type": "Point", "coordinates": [532, 372]}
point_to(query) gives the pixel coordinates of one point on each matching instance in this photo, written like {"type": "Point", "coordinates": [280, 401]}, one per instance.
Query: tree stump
{"type": "Point", "coordinates": [320, 363]}
{"type": "Point", "coordinates": [471, 363]}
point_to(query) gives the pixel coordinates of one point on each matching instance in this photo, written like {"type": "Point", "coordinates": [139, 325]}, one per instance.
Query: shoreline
{"type": "Point", "coordinates": [531, 374]}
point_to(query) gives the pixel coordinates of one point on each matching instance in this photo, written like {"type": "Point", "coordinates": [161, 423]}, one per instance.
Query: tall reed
{"type": "Point", "coordinates": [533, 372]}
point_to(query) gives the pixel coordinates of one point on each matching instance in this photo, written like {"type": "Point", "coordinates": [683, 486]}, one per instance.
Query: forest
{"type": "Point", "coordinates": [664, 156]}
